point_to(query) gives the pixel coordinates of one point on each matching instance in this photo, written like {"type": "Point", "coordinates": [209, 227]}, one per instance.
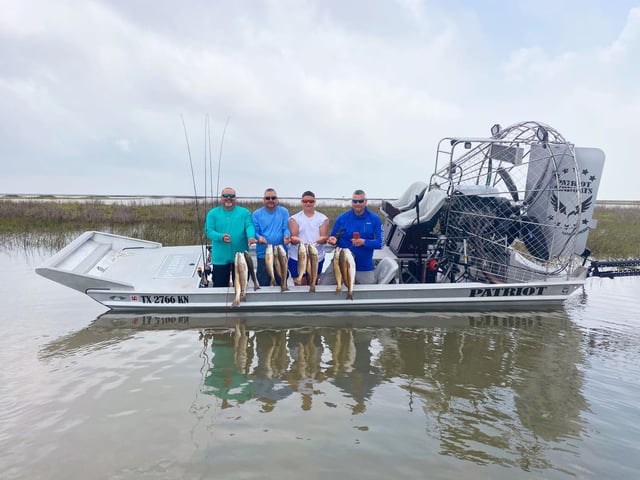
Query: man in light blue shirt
{"type": "Point", "coordinates": [271, 222]}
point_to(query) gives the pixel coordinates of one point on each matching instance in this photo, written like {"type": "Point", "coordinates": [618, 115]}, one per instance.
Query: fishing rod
{"type": "Point", "coordinates": [224, 130]}
{"type": "Point", "coordinates": [204, 280]}
{"type": "Point", "coordinates": [206, 148]}
{"type": "Point", "coordinates": [208, 154]}
{"type": "Point", "coordinates": [208, 270]}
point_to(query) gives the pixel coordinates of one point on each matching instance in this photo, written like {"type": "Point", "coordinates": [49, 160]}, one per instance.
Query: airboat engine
{"type": "Point", "coordinates": [514, 207]}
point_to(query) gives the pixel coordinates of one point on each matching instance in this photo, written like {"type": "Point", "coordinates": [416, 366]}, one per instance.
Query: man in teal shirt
{"type": "Point", "coordinates": [230, 229]}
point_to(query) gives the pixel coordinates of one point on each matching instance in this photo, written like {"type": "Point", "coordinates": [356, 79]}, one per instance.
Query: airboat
{"type": "Point", "coordinates": [501, 224]}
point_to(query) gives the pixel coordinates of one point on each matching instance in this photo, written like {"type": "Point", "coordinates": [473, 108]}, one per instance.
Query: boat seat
{"type": "Point", "coordinates": [406, 201]}
{"type": "Point", "coordinates": [408, 198]}
{"type": "Point", "coordinates": [428, 207]}
{"type": "Point", "coordinates": [386, 271]}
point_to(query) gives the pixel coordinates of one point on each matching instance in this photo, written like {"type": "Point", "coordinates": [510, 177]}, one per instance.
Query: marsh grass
{"type": "Point", "coordinates": [52, 224]}
{"type": "Point", "coordinates": [617, 234]}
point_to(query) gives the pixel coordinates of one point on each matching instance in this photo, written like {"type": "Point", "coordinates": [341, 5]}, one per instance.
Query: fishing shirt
{"type": "Point", "coordinates": [369, 226]}
{"type": "Point", "coordinates": [237, 223]}
{"type": "Point", "coordinates": [273, 226]}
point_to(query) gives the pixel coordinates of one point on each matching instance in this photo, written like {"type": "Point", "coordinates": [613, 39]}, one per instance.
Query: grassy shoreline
{"type": "Point", "coordinates": [180, 223]}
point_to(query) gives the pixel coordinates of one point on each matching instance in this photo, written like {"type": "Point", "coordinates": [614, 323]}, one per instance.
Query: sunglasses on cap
{"type": "Point", "coordinates": [357, 200]}
{"type": "Point", "coordinates": [271, 198]}
{"type": "Point", "coordinates": [228, 195]}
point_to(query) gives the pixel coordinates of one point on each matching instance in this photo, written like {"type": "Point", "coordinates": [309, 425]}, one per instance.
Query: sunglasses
{"type": "Point", "coordinates": [228, 195]}
{"type": "Point", "coordinates": [357, 200]}
{"type": "Point", "coordinates": [271, 198]}
{"type": "Point", "coordinates": [308, 201]}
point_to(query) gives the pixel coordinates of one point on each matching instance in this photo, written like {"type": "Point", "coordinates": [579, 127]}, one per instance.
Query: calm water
{"type": "Point", "coordinates": [535, 395]}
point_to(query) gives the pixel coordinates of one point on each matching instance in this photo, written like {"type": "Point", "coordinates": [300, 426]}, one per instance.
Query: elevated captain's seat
{"type": "Point", "coordinates": [428, 207]}
{"type": "Point", "coordinates": [407, 232]}
{"type": "Point", "coordinates": [406, 201]}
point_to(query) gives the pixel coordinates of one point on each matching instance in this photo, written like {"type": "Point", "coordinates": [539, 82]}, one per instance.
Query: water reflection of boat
{"type": "Point", "coordinates": [482, 383]}
{"type": "Point", "coordinates": [158, 321]}
{"type": "Point", "coordinates": [497, 388]}
{"type": "Point", "coordinates": [113, 327]}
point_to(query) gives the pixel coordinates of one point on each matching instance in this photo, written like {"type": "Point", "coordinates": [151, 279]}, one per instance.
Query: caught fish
{"type": "Point", "coordinates": [312, 266]}
{"type": "Point", "coordinates": [239, 278]}
{"type": "Point", "coordinates": [281, 257]}
{"type": "Point", "coordinates": [276, 265]}
{"type": "Point", "coordinates": [252, 270]}
{"type": "Point", "coordinates": [269, 263]}
{"type": "Point", "coordinates": [302, 261]}
{"type": "Point", "coordinates": [348, 271]}
{"type": "Point", "coordinates": [336, 269]}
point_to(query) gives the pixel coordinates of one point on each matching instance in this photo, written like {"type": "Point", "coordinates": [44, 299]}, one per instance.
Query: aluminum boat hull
{"type": "Point", "coordinates": [132, 275]}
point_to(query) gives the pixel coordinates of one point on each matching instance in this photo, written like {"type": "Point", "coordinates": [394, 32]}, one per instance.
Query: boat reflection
{"type": "Point", "coordinates": [486, 383]}
{"type": "Point", "coordinates": [493, 388]}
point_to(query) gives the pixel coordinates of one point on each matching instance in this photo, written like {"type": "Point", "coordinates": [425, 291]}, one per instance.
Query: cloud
{"type": "Point", "coordinates": [327, 96]}
{"type": "Point", "coordinates": [627, 45]}
{"type": "Point", "coordinates": [124, 145]}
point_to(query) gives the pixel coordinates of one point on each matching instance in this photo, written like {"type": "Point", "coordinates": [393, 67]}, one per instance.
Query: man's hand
{"type": "Point", "coordinates": [357, 242]}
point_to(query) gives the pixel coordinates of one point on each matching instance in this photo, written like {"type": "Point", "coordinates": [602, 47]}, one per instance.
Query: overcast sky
{"type": "Point", "coordinates": [326, 95]}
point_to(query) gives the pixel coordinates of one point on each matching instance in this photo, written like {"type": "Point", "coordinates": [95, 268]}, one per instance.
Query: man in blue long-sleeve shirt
{"type": "Point", "coordinates": [359, 230]}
